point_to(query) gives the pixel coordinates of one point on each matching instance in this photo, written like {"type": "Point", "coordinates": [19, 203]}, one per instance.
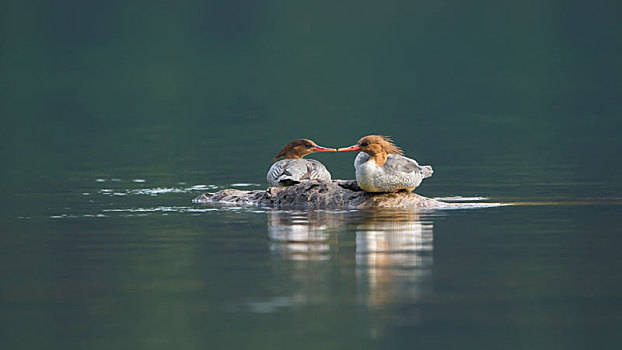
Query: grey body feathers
{"type": "Point", "coordinates": [288, 172]}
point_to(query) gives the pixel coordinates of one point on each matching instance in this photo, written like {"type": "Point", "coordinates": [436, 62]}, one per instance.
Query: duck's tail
{"type": "Point", "coordinates": [426, 170]}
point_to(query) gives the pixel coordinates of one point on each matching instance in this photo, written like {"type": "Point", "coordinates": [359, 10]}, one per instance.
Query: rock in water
{"type": "Point", "coordinates": [315, 194]}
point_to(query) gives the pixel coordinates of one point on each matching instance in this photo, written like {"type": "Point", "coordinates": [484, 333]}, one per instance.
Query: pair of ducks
{"type": "Point", "coordinates": [380, 165]}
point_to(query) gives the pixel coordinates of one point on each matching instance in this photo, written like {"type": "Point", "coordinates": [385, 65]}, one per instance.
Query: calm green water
{"type": "Point", "coordinates": [115, 116]}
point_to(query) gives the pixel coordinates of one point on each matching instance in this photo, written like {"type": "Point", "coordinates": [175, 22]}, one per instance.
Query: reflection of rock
{"type": "Point", "coordinates": [393, 256]}
{"type": "Point", "coordinates": [317, 194]}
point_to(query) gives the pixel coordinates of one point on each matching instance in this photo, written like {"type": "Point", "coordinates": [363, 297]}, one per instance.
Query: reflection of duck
{"type": "Point", "coordinates": [306, 240]}
{"type": "Point", "coordinates": [293, 169]}
{"type": "Point", "coordinates": [391, 260]}
{"type": "Point", "coordinates": [381, 167]}
{"type": "Point", "coordinates": [301, 235]}
{"type": "Point", "coordinates": [392, 255]}
{"type": "Point", "coordinates": [394, 232]}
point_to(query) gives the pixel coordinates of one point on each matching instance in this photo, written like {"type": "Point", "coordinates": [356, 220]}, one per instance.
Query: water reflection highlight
{"type": "Point", "coordinates": [389, 252]}
{"type": "Point", "coordinates": [393, 256]}
{"type": "Point", "coordinates": [302, 235]}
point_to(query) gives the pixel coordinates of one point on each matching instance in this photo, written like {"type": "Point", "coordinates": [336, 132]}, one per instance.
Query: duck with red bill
{"type": "Point", "coordinates": [381, 166]}
{"type": "Point", "coordinates": [351, 148]}
{"type": "Point", "coordinates": [293, 169]}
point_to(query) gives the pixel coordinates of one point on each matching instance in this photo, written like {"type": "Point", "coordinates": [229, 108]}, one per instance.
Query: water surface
{"type": "Point", "coordinates": [139, 266]}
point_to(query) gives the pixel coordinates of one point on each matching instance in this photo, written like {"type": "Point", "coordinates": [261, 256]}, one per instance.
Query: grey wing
{"type": "Point", "coordinates": [286, 171]}
{"type": "Point", "coordinates": [275, 171]}
{"type": "Point", "coordinates": [316, 171]}
{"type": "Point", "coordinates": [397, 163]}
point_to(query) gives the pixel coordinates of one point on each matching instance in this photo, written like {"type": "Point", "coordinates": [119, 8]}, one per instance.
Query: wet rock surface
{"type": "Point", "coordinates": [315, 194]}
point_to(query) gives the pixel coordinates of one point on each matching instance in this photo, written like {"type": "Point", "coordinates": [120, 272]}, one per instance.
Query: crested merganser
{"type": "Point", "coordinates": [293, 169]}
{"type": "Point", "coordinates": [381, 167]}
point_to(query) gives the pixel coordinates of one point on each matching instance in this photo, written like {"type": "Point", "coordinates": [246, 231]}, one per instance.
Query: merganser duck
{"type": "Point", "coordinates": [293, 169]}
{"type": "Point", "coordinates": [381, 166]}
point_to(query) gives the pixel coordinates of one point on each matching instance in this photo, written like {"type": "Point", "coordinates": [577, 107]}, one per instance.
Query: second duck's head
{"type": "Point", "coordinates": [300, 148]}
{"type": "Point", "coordinates": [374, 144]}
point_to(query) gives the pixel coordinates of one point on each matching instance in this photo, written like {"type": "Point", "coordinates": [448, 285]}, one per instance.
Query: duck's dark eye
{"type": "Point", "coordinates": [364, 144]}
{"type": "Point", "coordinates": [308, 145]}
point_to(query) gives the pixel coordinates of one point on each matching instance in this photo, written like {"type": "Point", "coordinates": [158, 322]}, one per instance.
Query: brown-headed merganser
{"type": "Point", "coordinates": [293, 169]}
{"type": "Point", "coordinates": [381, 167]}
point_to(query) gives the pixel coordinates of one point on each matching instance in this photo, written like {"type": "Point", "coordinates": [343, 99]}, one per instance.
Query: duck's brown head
{"type": "Point", "coordinates": [300, 148]}
{"type": "Point", "coordinates": [378, 147]}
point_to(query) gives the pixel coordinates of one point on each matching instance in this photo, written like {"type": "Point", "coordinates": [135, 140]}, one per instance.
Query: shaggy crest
{"type": "Point", "coordinates": [385, 141]}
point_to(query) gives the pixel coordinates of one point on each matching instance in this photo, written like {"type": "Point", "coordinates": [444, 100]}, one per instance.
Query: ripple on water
{"type": "Point", "coordinates": [161, 209]}
{"type": "Point", "coordinates": [460, 199]}
{"type": "Point", "coordinates": [156, 190]}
